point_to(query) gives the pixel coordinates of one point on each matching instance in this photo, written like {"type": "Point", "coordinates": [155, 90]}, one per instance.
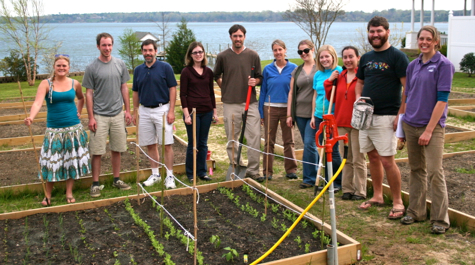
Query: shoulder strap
{"type": "Point", "coordinates": [50, 92]}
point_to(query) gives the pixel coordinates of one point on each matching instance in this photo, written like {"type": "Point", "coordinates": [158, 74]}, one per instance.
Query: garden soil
{"type": "Point", "coordinates": [108, 235]}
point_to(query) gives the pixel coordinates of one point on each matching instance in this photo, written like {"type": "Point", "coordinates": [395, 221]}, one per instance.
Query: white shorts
{"type": "Point", "coordinates": [380, 136]}
{"type": "Point", "coordinates": [150, 126]}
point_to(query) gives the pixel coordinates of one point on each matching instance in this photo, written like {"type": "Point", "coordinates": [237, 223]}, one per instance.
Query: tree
{"type": "Point", "coordinates": [176, 51]}
{"type": "Point", "coordinates": [20, 26]}
{"type": "Point", "coordinates": [14, 66]}
{"type": "Point", "coordinates": [130, 49]}
{"type": "Point", "coordinates": [467, 65]}
{"type": "Point", "coordinates": [163, 26]}
{"type": "Point", "coordinates": [315, 17]}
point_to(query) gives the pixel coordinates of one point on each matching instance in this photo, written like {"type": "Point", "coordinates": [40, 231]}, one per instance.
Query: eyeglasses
{"type": "Point", "coordinates": [198, 52]}
{"type": "Point", "coordinates": [64, 55]}
{"type": "Point", "coordinates": [307, 50]}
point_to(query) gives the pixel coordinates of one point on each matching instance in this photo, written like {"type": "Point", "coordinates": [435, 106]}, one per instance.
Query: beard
{"type": "Point", "coordinates": [148, 59]}
{"type": "Point", "coordinates": [383, 40]}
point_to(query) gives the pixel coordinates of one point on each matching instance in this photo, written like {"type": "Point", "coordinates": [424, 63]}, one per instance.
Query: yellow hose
{"type": "Point", "coordinates": [301, 215]}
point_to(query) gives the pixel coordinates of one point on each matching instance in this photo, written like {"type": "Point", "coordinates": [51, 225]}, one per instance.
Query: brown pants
{"type": "Point", "coordinates": [426, 168]}
{"type": "Point", "coordinates": [354, 172]}
{"type": "Point", "coordinates": [272, 120]}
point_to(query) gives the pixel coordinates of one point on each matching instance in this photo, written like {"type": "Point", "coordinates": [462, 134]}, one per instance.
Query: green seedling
{"type": "Point", "coordinates": [307, 248]}
{"type": "Point", "coordinates": [263, 217]}
{"type": "Point", "coordinates": [231, 254]}
{"type": "Point", "coordinates": [215, 240]}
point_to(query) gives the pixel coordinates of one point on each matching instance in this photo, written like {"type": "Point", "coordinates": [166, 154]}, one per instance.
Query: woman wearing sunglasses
{"type": "Point", "coordinates": [327, 63]}
{"type": "Point", "coordinates": [273, 109]}
{"type": "Point", "coordinates": [299, 110]}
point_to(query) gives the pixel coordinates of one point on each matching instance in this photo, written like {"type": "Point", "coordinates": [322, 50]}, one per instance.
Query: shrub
{"type": "Point", "coordinates": [467, 65]}
{"type": "Point", "coordinates": [443, 50]}
{"type": "Point", "coordinates": [14, 66]}
{"type": "Point", "coordinates": [177, 48]}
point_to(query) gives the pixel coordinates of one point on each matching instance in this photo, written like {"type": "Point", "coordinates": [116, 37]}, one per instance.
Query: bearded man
{"type": "Point", "coordinates": [381, 76]}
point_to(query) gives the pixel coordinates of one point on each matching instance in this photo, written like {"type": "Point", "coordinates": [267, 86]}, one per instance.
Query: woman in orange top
{"type": "Point", "coordinates": [354, 172]}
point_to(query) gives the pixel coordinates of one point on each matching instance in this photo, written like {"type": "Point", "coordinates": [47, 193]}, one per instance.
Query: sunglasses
{"type": "Point", "coordinates": [197, 53]}
{"type": "Point", "coordinates": [300, 52]}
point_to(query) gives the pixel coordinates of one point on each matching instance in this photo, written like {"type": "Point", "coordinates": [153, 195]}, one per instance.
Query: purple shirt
{"type": "Point", "coordinates": [423, 81]}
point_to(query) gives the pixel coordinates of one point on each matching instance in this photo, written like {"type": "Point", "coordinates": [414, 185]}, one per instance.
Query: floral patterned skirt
{"type": "Point", "coordinates": [64, 154]}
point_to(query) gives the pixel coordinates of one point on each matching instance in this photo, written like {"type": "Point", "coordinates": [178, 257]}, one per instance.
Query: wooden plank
{"type": "Point", "coordinates": [457, 128]}
{"type": "Point", "coordinates": [459, 136]}
{"type": "Point", "coordinates": [460, 101]}
{"type": "Point", "coordinates": [40, 115]}
{"type": "Point", "coordinates": [460, 113]}
{"type": "Point", "coordinates": [446, 155]}
{"type": "Point", "coordinates": [347, 254]}
{"type": "Point", "coordinates": [18, 104]}
{"type": "Point", "coordinates": [463, 107]}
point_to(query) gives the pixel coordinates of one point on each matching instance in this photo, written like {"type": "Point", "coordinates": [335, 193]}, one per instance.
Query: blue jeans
{"type": "Point", "coordinates": [336, 158]}
{"type": "Point", "coordinates": [310, 153]}
{"type": "Point", "coordinates": [203, 123]}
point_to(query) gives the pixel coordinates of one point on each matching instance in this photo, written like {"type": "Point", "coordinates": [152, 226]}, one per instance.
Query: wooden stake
{"type": "Point", "coordinates": [232, 162]}
{"type": "Point", "coordinates": [267, 151]}
{"type": "Point", "coordinates": [137, 155]}
{"type": "Point", "coordinates": [34, 147]}
{"type": "Point", "coordinates": [164, 171]}
{"type": "Point", "coordinates": [194, 185]}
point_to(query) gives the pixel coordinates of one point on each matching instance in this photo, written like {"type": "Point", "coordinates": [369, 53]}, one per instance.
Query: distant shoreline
{"type": "Point", "coordinates": [395, 15]}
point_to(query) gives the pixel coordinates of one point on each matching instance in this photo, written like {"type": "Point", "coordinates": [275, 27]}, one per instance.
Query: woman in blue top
{"type": "Point", "coordinates": [64, 154]}
{"type": "Point", "coordinates": [327, 62]}
{"type": "Point", "coordinates": [273, 109]}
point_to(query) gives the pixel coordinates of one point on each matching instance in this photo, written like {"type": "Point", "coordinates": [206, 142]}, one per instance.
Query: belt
{"type": "Point", "coordinates": [156, 106]}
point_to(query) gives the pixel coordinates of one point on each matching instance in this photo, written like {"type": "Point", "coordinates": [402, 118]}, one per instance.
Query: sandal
{"type": "Point", "coordinates": [70, 200]}
{"type": "Point", "coordinates": [371, 204]}
{"type": "Point", "coordinates": [437, 229]}
{"type": "Point", "coordinates": [46, 202]}
{"type": "Point", "coordinates": [395, 211]}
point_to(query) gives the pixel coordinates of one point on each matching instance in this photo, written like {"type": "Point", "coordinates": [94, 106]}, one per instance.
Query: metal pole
{"type": "Point", "coordinates": [331, 194]}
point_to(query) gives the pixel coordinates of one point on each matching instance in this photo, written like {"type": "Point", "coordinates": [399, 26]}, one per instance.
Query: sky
{"type": "Point", "coordinates": [112, 6]}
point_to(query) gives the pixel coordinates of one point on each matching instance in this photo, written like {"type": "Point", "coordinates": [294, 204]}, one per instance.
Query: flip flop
{"type": "Point", "coordinates": [70, 200]}
{"type": "Point", "coordinates": [46, 202]}
{"type": "Point", "coordinates": [394, 211]}
{"type": "Point", "coordinates": [371, 203]}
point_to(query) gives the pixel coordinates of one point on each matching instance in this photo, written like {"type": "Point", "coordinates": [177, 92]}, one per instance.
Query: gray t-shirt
{"type": "Point", "coordinates": [106, 80]}
{"type": "Point", "coordinates": [303, 105]}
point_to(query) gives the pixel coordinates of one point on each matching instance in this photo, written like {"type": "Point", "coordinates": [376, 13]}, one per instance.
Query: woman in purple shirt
{"type": "Point", "coordinates": [196, 91]}
{"type": "Point", "coordinates": [428, 84]}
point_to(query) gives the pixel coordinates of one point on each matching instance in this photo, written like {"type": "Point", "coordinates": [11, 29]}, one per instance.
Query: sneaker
{"type": "Point", "coordinates": [152, 180]}
{"type": "Point", "coordinates": [121, 185]}
{"type": "Point", "coordinates": [96, 191]}
{"type": "Point", "coordinates": [170, 182]}
{"type": "Point", "coordinates": [437, 229]}
{"type": "Point", "coordinates": [346, 196]}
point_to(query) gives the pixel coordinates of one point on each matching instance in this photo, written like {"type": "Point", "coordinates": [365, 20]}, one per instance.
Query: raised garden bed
{"type": "Point", "coordinates": [111, 231]}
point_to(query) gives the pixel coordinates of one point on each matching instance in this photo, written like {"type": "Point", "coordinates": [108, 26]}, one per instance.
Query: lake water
{"type": "Point", "coordinates": [78, 39]}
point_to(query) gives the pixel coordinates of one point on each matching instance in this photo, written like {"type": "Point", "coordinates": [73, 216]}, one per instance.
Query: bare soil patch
{"type": "Point", "coordinates": [460, 186]}
{"type": "Point", "coordinates": [108, 235]}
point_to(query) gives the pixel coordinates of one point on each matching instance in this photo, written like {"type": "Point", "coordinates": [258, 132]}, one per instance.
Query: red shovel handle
{"type": "Point", "coordinates": [249, 90]}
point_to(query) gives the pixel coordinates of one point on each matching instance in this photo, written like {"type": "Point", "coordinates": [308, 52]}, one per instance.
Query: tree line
{"type": "Point", "coordinates": [394, 15]}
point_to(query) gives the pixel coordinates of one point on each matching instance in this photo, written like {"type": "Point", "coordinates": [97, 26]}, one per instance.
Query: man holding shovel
{"type": "Point", "coordinates": [232, 74]}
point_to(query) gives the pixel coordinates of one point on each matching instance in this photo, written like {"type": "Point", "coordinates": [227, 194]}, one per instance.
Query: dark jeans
{"type": "Point", "coordinates": [310, 153]}
{"type": "Point", "coordinates": [336, 162]}
{"type": "Point", "coordinates": [203, 123]}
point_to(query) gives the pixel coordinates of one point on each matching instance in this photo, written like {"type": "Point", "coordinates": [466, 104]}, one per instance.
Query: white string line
{"type": "Point", "coordinates": [284, 157]}
{"type": "Point", "coordinates": [185, 232]}
{"type": "Point", "coordinates": [266, 195]}
{"type": "Point", "coordinates": [163, 165]}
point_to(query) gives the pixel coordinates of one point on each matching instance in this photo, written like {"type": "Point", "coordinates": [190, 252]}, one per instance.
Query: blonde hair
{"type": "Point", "coordinates": [278, 42]}
{"type": "Point", "coordinates": [332, 52]}
{"type": "Point", "coordinates": [59, 57]}
{"type": "Point", "coordinates": [434, 32]}
{"type": "Point", "coordinates": [309, 43]}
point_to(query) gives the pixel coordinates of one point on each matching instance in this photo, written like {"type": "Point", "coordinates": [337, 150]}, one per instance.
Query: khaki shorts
{"type": "Point", "coordinates": [150, 126]}
{"type": "Point", "coordinates": [114, 127]}
{"type": "Point", "coordinates": [380, 136]}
